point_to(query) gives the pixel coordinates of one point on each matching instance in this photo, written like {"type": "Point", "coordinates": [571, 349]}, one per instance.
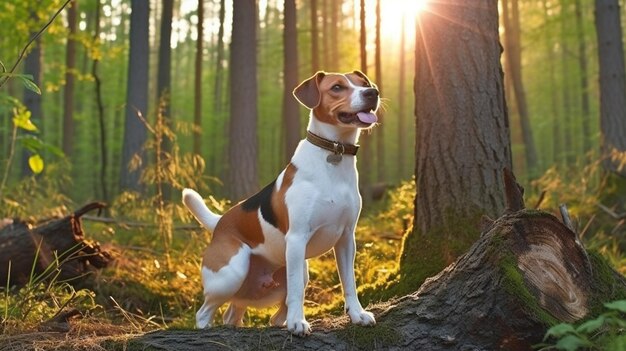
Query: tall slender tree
{"type": "Point", "coordinates": [243, 147]}
{"type": "Point", "coordinates": [136, 95]}
{"type": "Point", "coordinates": [612, 85]}
{"type": "Point", "coordinates": [291, 114]}
{"type": "Point", "coordinates": [219, 61]}
{"type": "Point", "coordinates": [584, 72]}
{"type": "Point", "coordinates": [462, 132]}
{"type": "Point", "coordinates": [402, 104]}
{"type": "Point", "coordinates": [102, 135]}
{"type": "Point", "coordinates": [315, 50]}
{"type": "Point", "coordinates": [380, 135]}
{"type": "Point", "coordinates": [70, 66]}
{"type": "Point", "coordinates": [513, 51]}
{"type": "Point", "coordinates": [197, 102]}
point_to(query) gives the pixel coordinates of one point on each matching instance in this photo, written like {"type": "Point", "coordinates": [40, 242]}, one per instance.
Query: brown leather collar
{"type": "Point", "coordinates": [335, 147]}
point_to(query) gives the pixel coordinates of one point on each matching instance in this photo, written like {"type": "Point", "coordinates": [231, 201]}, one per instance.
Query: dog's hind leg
{"type": "Point", "coordinates": [221, 285]}
{"type": "Point", "coordinates": [234, 315]}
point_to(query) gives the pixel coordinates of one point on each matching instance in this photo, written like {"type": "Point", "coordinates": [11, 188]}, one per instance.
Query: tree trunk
{"type": "Point", "coordinates": [315, 51]}
{"type": "Point", "coordinates": [335, 26]}
{"type": "Point", "coordinates": [612, 84]}
{"type": "Point", "coordinates": [584, 72]}
{"type": "Point", "coordinates": [291, 110]}
{"type": "Point", "coordinates": [197, 105]}
{"type": "Point", "coordinates": [513, 61]}
{"type": "Point", "coordinates": [102, 178]}
{"type": "Point", "coordinates": [32, 101]}
{"type": "Point", "coordinates": [556, 131]}
{"type": "Point", "coordinates": [243, 147]}
{"type": "Point", "coordinates": [462, 132]}
{"type": "Point", "coordinates": [566, 126]}
{"type": "Point", "coordinates": [402, 170]}
{"type": "Point", "coordinates": [164, 82]}
{"type": "Point", "coordinates": [219, 64]}
{"type": "Point", "coordinates": [25, 248]}
{"type": "Point", "coordinates": [380, 135]}
{"type": "Point", "coordinates": [365, 161]}
{"type": "Point", "coordinates": [70, 66]}
{"type": "Point", "coordinates": [136, 95]}
{"type": "Point", "coordinates": [527, 271]}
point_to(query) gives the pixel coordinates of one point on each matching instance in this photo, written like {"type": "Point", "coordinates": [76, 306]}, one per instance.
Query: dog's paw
{"type": "Point", "coordinates": [362, 317]}
{"type": "Point", "coordinates": [299, 327]}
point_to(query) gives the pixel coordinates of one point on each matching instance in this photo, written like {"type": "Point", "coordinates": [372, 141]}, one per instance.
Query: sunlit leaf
{"type": "Point", "coordinates": [21, 119]}
{"type": "Point", "coordinates": [36, 163]}
{"type": "Point", "coordinates": [571, 343]}
{"type": "Point", "coordinates": [591, 325]}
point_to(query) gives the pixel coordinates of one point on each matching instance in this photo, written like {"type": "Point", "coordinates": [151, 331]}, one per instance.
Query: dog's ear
{"type": "Point", "coordinates": [308, 92]}
{"type": "Point", "coordinates": [362, 75]}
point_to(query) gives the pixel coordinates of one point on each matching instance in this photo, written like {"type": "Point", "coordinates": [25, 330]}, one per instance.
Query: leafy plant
{"type": "Point", "coordinates": [606, 332]}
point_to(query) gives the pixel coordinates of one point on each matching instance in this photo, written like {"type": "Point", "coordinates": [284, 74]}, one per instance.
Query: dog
{"type": "Point", "coordinates": [259, 250]}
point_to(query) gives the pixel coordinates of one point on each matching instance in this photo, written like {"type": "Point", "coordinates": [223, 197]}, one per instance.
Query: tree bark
{"type": "Point", "coordinates": [612, 83]}
{"type": "Point", "coordinates": [526, 272]}
{"type": "Point", "coordinates": [219, 64]}
{"type": "Point", "coordinates": [291, 110]}
{"type": "Point", "coordinates": [25, 248]}
{"type": "Point", "coordinates": [135, 132]}
{"type": "Point", "coordinates": [460, 150]}
{"type": "Point", "coordinates": [243, 146]}
{"type": "Point", "coordinates": [68, 94]}
{"type": "Point", "coordinates": [365, 161]}
{"type": "Point", "coordinates": [566, 123]}
{"type": "Point", "coordinates": [556, 131]}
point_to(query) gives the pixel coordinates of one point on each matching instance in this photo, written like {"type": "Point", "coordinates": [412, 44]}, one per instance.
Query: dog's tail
{"type": "Point", "coordinates": [199, 209]}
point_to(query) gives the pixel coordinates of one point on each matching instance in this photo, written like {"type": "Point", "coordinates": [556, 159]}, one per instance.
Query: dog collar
{"type": "Point", "coordinates": [335, 147]}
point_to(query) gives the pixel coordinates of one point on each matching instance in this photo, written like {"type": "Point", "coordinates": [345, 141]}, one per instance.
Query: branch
{"type": "Point", "coordinates": [37, 35]}
{"type": "Point", "coordinates": [135, 224]}
{"type": "Point", "coordinates": [617, 216]}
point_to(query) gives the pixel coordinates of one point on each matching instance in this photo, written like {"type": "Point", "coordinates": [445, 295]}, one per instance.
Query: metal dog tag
{"type": "Point", "coordinates": [334, 159]}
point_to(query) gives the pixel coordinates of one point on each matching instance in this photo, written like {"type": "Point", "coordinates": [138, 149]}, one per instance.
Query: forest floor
{"type": "Point", "coordinates": [147, 289]}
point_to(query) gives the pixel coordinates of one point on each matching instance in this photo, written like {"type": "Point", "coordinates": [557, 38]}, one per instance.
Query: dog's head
{"type": "Point", "coordinates": [345, 100]}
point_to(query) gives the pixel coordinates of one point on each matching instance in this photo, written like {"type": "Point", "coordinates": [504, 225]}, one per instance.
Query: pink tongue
{"type": "Point", "coordinates": [367, 117]}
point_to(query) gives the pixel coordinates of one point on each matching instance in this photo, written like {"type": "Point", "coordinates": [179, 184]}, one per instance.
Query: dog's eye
{"type": "Point", "coordinates": [336, 88]}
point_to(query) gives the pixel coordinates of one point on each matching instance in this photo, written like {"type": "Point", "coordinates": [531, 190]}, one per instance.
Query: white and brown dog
{"type": "Point", "coordinates": [259, 251]}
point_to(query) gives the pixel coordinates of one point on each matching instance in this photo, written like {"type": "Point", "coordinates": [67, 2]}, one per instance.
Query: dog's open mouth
{"type": "Point", "coordinates": [363, 117]}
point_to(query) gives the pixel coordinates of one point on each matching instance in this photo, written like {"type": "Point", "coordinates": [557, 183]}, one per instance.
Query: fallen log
{"type": "Point", "coordinates": [54, 249]}
{"type": "Point", "coordinates": [527, 272]}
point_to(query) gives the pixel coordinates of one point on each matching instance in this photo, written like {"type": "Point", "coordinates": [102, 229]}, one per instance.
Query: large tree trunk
{"type": "Point", "coordinates": [242, 150]}
{"type": "Point", "coordinates": [526, 272]}
{"type": "Point", "coordinates": [164, 83]}
{"type": "Point", "coordinates": [135, 132]}
{"type": "Point", "coordinates": [612, 83]}
{"type": "Point", "coordinates": [54, 245]}
{"type": "Point", "coordinates": [291, 111]}
{"type": "Point", "coordinates": [68, 94]}
{"type": "Point", "coordinates": [462, 132]}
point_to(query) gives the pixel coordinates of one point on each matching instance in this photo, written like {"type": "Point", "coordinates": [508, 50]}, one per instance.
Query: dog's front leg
{"type": "Point", "coordinates": [296, 275]}
{"type": "Point", "coordinates": [345, 251]}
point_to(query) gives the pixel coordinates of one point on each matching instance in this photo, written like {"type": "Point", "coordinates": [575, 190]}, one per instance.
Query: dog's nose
{"type": "Point", "coordinates": [370, 94]}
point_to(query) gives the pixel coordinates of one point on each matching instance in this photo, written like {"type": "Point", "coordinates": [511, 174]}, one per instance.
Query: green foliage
{"type": "Point", "coordinates": [605, 332]}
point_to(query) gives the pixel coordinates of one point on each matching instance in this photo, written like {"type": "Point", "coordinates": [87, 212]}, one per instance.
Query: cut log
{"type": "Point", "coordinates": [524, 274]}
{"type": "Point", "coordinates": [42, 249]}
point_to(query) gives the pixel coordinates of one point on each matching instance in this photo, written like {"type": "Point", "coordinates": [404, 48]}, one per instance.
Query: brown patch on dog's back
{"type": "Point", "coordinates": [241, 224]}
{"type": "Point", "coordinates": [279, 206]}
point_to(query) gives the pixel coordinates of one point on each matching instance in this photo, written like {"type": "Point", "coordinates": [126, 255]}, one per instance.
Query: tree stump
{"type": "Point", "coordinates": [56, 244]}
{"type": "Point", "coordinates": [526, 272]}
